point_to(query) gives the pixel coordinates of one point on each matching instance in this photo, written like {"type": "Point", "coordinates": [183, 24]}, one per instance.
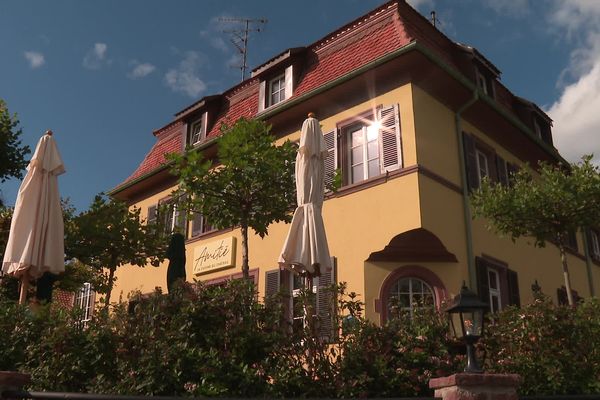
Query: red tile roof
{"type": "Point", "coordinates": [383, 30]}
{"type": "Point", "coordinates": [169, 140]}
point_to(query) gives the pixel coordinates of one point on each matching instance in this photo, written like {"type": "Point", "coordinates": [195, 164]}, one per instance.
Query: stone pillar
{"type": "Point", "coordinates": [464, 386]}
{"type": "Point", "coordinates": [13, 381]}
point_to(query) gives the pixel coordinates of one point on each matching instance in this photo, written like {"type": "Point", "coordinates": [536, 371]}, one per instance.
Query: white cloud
{"type": "Point", "coordinates": [140, 70]}
{"type": "Point", "coordinates": [576, 117]}
{"type": "Point", "coordinates": [95, 58]}
{"type": "Point", "coordinates": [184, 78]}
{"type": "Point", "coordinates": [35, 59]}
{"type": "Point", "coordinates": [576, 113]}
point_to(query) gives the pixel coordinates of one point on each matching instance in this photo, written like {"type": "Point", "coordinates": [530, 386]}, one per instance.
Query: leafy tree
{"type": "Point", "coordinates": [110, 235]}
{"type": "Point", "coordinates": [12, 153]}
{"type": "Point", "coordinates": [252, 187]}
{"type": "Point", "coordinates": [545, 206]}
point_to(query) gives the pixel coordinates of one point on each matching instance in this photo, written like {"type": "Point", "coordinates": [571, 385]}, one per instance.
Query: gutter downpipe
{"type": "Point", "coordinates": [465, 190]}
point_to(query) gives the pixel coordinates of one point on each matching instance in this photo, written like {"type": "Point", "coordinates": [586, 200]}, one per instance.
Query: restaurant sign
{"type": "Point", "coordinates": [214, 256]}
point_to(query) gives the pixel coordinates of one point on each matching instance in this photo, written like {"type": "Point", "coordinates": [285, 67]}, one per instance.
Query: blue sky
{"type": "Point", "coordinates": [104, 74]}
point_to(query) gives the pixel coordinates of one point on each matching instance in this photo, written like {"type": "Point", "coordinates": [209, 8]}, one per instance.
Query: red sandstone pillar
{"type": "Point", "coordinates": [464, 386]}
{"type": "Point", "coordinates": [13, 381]}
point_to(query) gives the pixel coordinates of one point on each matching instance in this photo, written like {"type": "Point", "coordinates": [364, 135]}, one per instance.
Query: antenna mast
{"type": "Point", "coordinates": [239, 37]}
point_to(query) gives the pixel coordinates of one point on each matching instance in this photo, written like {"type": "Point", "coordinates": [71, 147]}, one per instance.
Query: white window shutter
{"type": "Point", "coordinates": [289, 81]}
{"type": "Point", "coordinates": [389, 138]}
{"type": "Point", "coordinates": [204, 124]}
{"type": "Point", "coordinates": [186, 136]}
{"type": "Point", "coordinates": [331, 160]}
{"type": "Point", "coordinates": [262, 95]}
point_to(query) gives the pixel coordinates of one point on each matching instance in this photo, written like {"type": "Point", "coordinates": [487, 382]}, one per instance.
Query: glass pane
{"type": "Point", "coordinates": [495, 303]}
{"type": "Point", "coordinates": [373, 150]}
{"type": "Point", "coordinates": [357, 155]}
{"type": "Point", "coordinates": [357, 173]}
{"type": "Point", "coordinates": [404, 286]}
{"type": "Point", "coordinates": [492, 279]}
{"type": "Point", "coordinates": [374, 169]}
{"type": "Point", "coordinates": [357, 137]}
{"type": "Point", "coordinates": [372, 132]}
{"type": "Point", "coordinates": [404, 301]}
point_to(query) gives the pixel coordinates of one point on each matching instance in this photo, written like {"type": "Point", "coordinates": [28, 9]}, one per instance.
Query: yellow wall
{"type": "Point", "coordinates": [442, 210]}
{"type": "Point", "coordinates": [357, 224]}
{"type": "Point", "coordinates": [363, 222]}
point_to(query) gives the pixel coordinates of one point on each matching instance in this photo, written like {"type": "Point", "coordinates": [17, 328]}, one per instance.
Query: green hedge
{"type": "Point", "coordinates": [221, 341]}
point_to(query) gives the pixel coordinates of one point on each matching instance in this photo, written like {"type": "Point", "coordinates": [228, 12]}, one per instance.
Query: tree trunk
{"type": "Point", "coordinates": [245, 264]}
{"type": "Point", "coordinates": [563, 258]}
{"type": "Point", "coordinates": [111, 281]}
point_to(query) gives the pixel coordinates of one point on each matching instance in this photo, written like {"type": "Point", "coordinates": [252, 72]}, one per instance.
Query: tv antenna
{"type": "Point", "coordinates": [434, 20]}
{"type": "Point", "coordinates": [239, 37]}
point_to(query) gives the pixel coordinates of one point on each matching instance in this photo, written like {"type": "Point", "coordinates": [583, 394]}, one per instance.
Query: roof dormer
{"type": "Point", "coordinates": [198, 119]}
{"type": "Point", "coordinates": [485, 74]}
{"type": "Point", "coordinates": [278, 78]}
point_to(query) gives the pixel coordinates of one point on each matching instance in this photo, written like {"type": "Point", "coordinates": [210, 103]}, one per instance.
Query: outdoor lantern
{"type": "Point", "coordinates": [466, 319]}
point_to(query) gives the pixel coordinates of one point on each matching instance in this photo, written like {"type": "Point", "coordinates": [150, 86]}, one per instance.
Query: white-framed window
{"type": "Point", "coordinates": [200, 225]}
{"type": "Point", "coordinates": [197, 130]}
{"type": "Point", "coordinates": [408, 294]}
{"type": "Point", "coordinates": [172, 216]}
{"type": "Point", "coordinates": [363, 152]}
{"type": "Point", "coordinates": [84, 300]}
{"type": "Point", "coordinates": [494, 289]}
{"type": "Point", "coordinates": [482, 165]}
{"type": "Point", "coordinates": [481, 82]}
{"type": "Point", "coordinates": [370, 146]}
{"type": "Point", "coordinates": [276, 90]}
{"type": "Point", "coordinates": [298, 309]}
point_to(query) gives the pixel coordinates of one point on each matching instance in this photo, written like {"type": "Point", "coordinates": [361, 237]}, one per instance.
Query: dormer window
{"type": "Point", "coordinates": [541, 128]}
{"type": "Point", "coordinates": [197, 130]}
{"type": "Point", "coordinates": [276, 90]}
{"type": "Point", "coordinates": [485, 82]}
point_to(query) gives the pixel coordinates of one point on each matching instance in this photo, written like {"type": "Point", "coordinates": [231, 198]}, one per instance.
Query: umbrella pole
{"type": "Point", "coordinates": [24, 287]}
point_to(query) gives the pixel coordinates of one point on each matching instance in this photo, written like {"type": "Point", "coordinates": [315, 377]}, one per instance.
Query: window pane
{"type": "Point", "coordinates": [374, 169]}
{"type": "Point", "coordinates": [357, 137]}
{"type": "Point", "coordinates": [495, 304]}
{"type": "Point", "coordinates": [493, 279]}
{"type": "Point", "coordinates": [357, 155]}
{"type": "Point", "coordinates": [404, 286]}
{"type": "Point", "coordinates": [358, 173]}
{"type": "Point", "coordinates": [373, 150]}
{"type": "Point", "coordinates": [372, 132]}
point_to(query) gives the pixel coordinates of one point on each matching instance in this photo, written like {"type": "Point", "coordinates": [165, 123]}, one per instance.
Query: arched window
{"type": "Point", "coordinates": [407, 294]}
{"type": "Point", "coordinates": [407, 286]}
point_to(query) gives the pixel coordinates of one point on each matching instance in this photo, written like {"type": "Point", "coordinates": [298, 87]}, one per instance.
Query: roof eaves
{"type": "Point", "coordinates": [550, 150]}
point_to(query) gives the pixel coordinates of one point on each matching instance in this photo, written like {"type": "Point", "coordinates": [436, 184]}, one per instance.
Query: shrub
{"type": "Point", "coordinates": [221, 341]}
{"type": "Point", "coordinates": [553, 348]}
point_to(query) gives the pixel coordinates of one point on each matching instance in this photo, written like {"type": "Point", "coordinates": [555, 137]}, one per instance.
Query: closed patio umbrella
{"type": "Point", "coordinates": [36, 239]}
{"type": "Point", "coordinates": [305, 249]}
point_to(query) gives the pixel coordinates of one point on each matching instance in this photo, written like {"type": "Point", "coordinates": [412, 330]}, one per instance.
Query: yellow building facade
{"type": "Point", "coordinates": [413, 122]}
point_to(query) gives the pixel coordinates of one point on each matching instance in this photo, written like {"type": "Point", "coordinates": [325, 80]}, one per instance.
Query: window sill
{"type": "Point", "coordinates": [368, 183]}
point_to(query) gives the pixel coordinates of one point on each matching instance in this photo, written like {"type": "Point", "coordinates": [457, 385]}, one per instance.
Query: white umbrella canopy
{"type": "Point", "coordinates": [36, 239]}
{"type": "Point", "coordinates": [305, 248]}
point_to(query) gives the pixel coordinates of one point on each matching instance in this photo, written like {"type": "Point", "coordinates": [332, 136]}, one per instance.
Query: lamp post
{"type": "Point", "coordinates": [466, 319]}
